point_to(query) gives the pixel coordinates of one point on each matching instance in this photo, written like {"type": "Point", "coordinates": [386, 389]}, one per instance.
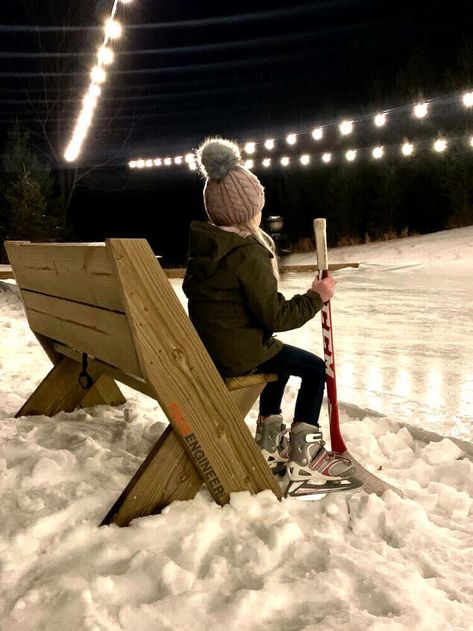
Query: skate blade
{"type": "Point", "coordinates": [304, 490]}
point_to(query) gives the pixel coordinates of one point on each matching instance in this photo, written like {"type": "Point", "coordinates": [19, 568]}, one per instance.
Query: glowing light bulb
{"type": "Point", "coordinates": [471, 141]}
{"type": "Point", "coordinates": [105, 55]}
{"type": "Point", "coordinates": [72, 152]}
{"type": "Point", "coordinates": [140, 164]}
{"type": "Point", "coordinates": [350, 155]}
{"type": "Point", "coordinates": [192, 166]}
{"type": "Point", "coordinates": [468, 99]}
{"type": "Point", "coordinates": [326, 157]}
{"type": "Point", "coordinates": [269, 144]}
{"type": "Point", "coordinates": [378, 152]}
{"type": "Point", "coordinates": [407, 149]}
{"type": "Point", "coordinates": [126, 1]}
{"type": "Point", "coordinates": [250, 147]}
{"type": "Point", "coordinates": [149, 163]}
{"type": "Point", "coordinates": [440, 145]}
{"type": "Point", "coordinates": [89, 102]}
{"type": "Point", "coordinates": [189, 157]}
{"type": "Point", "coordinates": [266, 162]}
{"type": "Point", "coordinates": [380, 120]}
{"type": "Point", "coordinates": [291, 139]}
{"type": "Point", "coordinates": [249, 164]}
{"type": "Point", "coordinates": [421, 110]}
{"type": "Point", "coordinates": [178, 160]}
{"type": "Point", "coordinates": [346, 127]}
{"type": "Point", "coordinates": [167, 162]}
{"type": "Point", "coordinates": [94, 90]}
{"type": "Point", "coordinates": [157, 162]}
{"type": "Point", "coordinates": [305, 159]}
{"type": "Point", "coordinates": [113, 29]}
{"type": "Point", "coordinates": [132, 164]}
{"type": "Point", "coordinates": [317, 133]}
{"type": "Point", "coordinates": [98, 74]}
{"type": "Point", "coordinates": [285, 161]}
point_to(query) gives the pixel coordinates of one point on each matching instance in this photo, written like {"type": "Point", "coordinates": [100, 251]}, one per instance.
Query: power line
{"type": "Point", "coordinates": [273, 14]}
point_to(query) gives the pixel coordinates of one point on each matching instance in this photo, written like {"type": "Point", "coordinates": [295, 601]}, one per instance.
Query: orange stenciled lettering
{"type": "Point", "coordinates": [177, 416]}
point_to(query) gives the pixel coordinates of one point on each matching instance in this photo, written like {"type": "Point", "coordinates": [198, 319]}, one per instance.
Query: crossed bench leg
{"type": "Point", "coordinates": [167, 474]}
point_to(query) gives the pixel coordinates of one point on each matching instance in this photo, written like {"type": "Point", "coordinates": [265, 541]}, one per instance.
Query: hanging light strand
{"type": "Point", "coordinates": [98, 76]}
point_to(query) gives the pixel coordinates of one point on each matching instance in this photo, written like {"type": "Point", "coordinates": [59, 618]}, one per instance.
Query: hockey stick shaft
{"type": "Point", "coordinates": [371, 483]}
{"type": "Point", "coordinates": [337, 442]}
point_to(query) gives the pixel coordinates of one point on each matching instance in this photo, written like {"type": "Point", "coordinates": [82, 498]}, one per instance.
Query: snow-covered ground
{"type": "Point", "coordinates": [404, 349]}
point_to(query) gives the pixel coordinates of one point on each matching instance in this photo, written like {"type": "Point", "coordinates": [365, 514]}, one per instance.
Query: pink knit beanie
{"type": "Point", "coordinates": [232, 194]}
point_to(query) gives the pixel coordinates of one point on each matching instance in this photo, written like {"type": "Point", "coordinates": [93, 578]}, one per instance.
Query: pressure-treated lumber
{"type": "Point", "coordinates": [185, 381]}
{"type": "Point", "coordinates": [113, 306]}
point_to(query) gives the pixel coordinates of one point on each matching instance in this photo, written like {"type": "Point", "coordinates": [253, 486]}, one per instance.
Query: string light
{"type": "Point", "coordinates": [317, 133]}
{"type": "Point", "coordinates": [380, 120]}
{"type": "Point", "coordinates": [140, 164]}
{"type": "Point", "coordinates": [105, 56]}
{"type": "Point", "coordinates": [269, 144]}
{"type": "Point", "coordinates": [471, 141]}
{"type": "Point", "coordinates": [407, 149]}
{"type": "Point", "coordinates": [421, 110]}
{"type": "Point", "coordinates": [350, 155]}
{"type": "Point", "coordinates": [327, 157]}
{"type": "Point", "coordinates": [249, 164]}
{"type": "Point", "coordinates": [291, 139]}
{"type": "Point", "coordinates": [132, 164]}
{"type": "Point", "coordinates": [167, 162]}
{"type": "Point", "coordinates": [468, 99]}
{"type": "Point", "coordinates": [305, 159]}
{"type": "Point", "coordinates": [346, 127]}
{"type": "Point", "coordinates": [192, 166]}
{"type": "Point", "coordinates": [157, 162]}
{"type": "Point", "coordinates": [378, 152]}
{"type": "Point", "coordinates": [189, 157]}
{"type": "Point", "coordinates": [440, 145]}
{"type": "Point", "coordinates": [178, 160]}
{"type": "Point", "coordinates": [250, 147]}
{"type": "Point", "coordinates": [285, 161]}
{"type": "Point", "coordinates": [113, 29]}
{"type": "Point", "coordinates": [266, 162]}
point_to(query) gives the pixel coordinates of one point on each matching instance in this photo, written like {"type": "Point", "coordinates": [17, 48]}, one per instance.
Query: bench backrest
{"type": "Point", "coordinates": [72, 295]}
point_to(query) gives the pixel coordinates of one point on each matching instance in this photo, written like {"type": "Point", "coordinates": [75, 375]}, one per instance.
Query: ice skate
{"type": "Point", "coordinates": [314, 470]}
{"type": "Point", "coordinates": [272, 440]}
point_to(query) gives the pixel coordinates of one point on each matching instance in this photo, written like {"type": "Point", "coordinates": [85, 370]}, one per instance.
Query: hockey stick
{"type": "Point", "coordinates": [371, 483]}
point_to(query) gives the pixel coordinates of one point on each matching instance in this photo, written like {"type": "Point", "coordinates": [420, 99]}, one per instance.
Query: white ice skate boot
{"type": "Point", "coordinates": [314, 470]}
{"type": "Point", "coordinates": [271, 438]}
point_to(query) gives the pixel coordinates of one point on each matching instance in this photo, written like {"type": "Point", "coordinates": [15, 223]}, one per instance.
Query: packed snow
{"type": "Point", "coordinates": [404, 354]}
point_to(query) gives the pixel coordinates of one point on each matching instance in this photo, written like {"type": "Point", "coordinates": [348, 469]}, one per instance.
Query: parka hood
{"type": "Point", "coordinates": [208, 245]}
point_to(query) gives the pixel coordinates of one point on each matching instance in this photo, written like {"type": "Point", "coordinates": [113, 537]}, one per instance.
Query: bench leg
{"type": "Point", "coordinates": [167, 474]}
{"type": "Point", "coordinates": [60, 391]}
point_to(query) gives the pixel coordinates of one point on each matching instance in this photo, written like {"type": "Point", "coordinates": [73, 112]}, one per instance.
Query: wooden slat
{"type": "Point", "coordinates": [237, 383]}
{"type": "Point", "coordinates": [180, 272]}
{"type": "Point", "coordinates": [82, 273]}
{"type": "Point", "coordinates": [99, 332]}
{"type": "Point", "coordinates": [187, 385]}
{"type": "Point", "coordinates": [167, 474]}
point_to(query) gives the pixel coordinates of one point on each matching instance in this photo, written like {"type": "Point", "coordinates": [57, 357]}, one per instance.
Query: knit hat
{"type": "Point", "coordinates": [232, 194]}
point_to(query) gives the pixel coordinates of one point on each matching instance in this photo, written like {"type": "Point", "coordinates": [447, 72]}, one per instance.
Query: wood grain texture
{"type": "Point", "coordinates": [236, 383]}
{"type": "Point", "coordinates": [82, 273]}
{"type": "Point", "coordinates": [99, 332]}
{"type": "Point", "coordinates": [104, 392]}
{"type": "Point", "coordinates": [187, 385]}
{"type": "Point", "coordinates": [167, 474]}
{"type": "Point", "coordinates": [59, 391]}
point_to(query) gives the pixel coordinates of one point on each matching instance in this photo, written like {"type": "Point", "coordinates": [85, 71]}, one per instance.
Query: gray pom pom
{"type": "Point", "coordinates": [217, 157]}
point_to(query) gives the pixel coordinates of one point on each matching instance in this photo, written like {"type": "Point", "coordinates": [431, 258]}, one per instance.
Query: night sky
{"type": "Point", "coordinates": [185, 70]}
{"type": "Point", "coordinates": [238, 69]}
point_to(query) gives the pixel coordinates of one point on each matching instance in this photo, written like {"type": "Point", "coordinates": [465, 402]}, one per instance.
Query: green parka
{"type": "Point", "coordinates": [233, 299]}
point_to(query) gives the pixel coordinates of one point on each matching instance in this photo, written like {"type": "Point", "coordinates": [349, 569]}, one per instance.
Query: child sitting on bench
{"type": "Point", "coordinates": [232, 285]}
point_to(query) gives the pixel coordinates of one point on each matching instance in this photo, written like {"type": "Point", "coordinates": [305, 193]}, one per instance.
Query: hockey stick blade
{"type": "Point", "coordinates": [371, 483]}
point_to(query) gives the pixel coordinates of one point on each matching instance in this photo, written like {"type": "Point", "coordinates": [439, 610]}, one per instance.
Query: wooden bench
{"type": "Point", "coordinates": [109, 308]}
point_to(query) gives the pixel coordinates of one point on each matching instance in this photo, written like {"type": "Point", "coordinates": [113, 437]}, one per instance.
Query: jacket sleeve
{"type": "Point", "coordinates": [268, 306]}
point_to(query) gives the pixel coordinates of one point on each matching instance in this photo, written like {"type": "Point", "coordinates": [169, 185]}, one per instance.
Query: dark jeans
{"type": "Point", "coordinates": [310, 368]}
